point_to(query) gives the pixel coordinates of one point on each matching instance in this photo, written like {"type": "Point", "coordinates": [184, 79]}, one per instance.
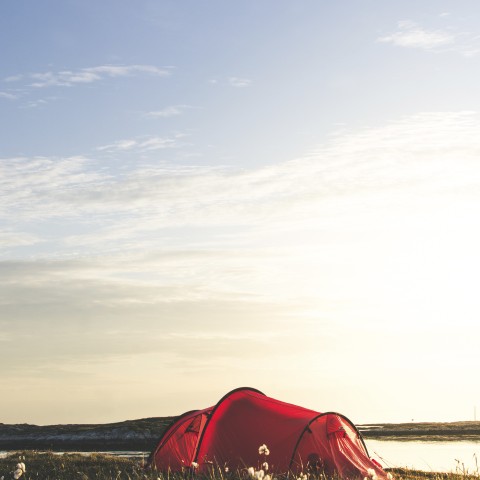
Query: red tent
{"type": "Point", "coordinates": [298, 439]}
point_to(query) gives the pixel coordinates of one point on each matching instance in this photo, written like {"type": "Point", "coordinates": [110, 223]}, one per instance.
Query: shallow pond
{"type": "Point", "coordinates": [429, 456]}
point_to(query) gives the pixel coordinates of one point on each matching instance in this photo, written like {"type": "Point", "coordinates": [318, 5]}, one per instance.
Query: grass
{"type": "Point", "coordinates": [74, 466]}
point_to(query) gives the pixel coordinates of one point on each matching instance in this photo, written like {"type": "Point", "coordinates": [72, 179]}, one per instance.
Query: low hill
{"type": "Point", "coordinates": [428, 431]}
{"type": "Point", "coordinates": [139, 435]}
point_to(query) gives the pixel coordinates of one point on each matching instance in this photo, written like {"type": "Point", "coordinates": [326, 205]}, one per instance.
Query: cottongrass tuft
{"type": "Point", "coordinates": [263, 450]}
{"type": "Point", "coordinates": [19, 470]}
{"type": "Point", "coordinates": [259, 474]}
{"type": "Point", "coordinates": [372, 474]}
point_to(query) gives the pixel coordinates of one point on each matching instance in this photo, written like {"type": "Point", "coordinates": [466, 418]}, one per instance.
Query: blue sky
{"type": "Point", "coordinates": [197, 196]}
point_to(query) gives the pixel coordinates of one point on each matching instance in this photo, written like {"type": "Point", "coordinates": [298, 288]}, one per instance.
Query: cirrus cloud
{"type": "Point", "coordinates": [239, 82]}
{"type": "Point", "coordinates": [170, 111]}
{"type": "Point", "coordinates": [69, 78]}
{"type": "Point", "coordinates": [140, 144]}
{"type": "Point", "coordinates": [410, 34]}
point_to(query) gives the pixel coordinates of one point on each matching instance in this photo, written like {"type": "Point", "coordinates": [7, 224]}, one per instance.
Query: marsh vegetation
{"type": "Point", "coordinates": [75, 466]}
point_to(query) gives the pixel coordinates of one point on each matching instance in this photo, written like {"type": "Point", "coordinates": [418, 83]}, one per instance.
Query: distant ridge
{"type": "Point", "coordinates": [445, 431]}
{"type": "Point", "coordinates": [140, 435]}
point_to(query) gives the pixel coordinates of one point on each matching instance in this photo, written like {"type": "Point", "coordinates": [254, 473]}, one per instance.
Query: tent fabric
{"type": "Point", "coordinates": [230, 433]}
{"type": "Point", "coordinates": [177, 447]}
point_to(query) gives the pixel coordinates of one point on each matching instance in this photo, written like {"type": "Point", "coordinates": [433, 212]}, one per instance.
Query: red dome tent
{"type": "Point", "coordinates": [230, 433]}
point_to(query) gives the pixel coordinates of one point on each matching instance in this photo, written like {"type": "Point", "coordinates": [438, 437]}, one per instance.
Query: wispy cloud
{"type": "Point", "coordinates": [239, 82]}
{"type": "Point", "coordinates": [408, 152]}
{"type": "Point", "coordinates": [410, 34]}
{"type": "Point", "coordinates": [33, 82]}
{"type": "Point", "coordinates": [69, 78]}
{"type": "Point", "coordinates": [35, 103]}
{"type": "Point", "coordinates": [140, 145]}
{"type": "Point", "coordinates": [170, 111]}
{"type": "Point", "coordinates": [13, 78]}
{"type": "Point", "coordinates": [440, 40]}
{"type": "Point", "coordinates": [21, 178]}
{"type": "Point", "coordinates": [197, 254]}
{"type": "Point", "coordinates": [15, 239]}
{"type": "Point", "coordinates": [8, 95]}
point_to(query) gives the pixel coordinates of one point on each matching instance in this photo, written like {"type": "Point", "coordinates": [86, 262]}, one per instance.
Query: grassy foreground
{"type": "Point", "coordinates": [71, 466]}
{"type": "Point", "coordinates": [74, 466]}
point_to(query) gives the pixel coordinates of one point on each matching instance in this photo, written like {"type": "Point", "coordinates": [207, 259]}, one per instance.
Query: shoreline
{"type": "Point", "coordinates": [422, 431]}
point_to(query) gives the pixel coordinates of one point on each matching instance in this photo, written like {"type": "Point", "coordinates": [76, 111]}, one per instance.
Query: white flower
{"type": "Point", "coordinates": [227, 469]}
{"type": "Point", "coordinates": [303, 476]}
{"type": "Point", "coordinates": [19, 470]}
{"type": "Point", "coordinates": [263, 450]}
{"type": "Point", "coordinates": [259, 474]}
{"type": "Point", "coordinates": [389, 476]}
{"type": "Point", "coordinates": [251, 471]}
{"type": "Point", "coordinates": [194, 464]}
{"type": "Point", "coordinates": [372, 474]}
{"type": "Point", "coordinates": [265, 466]}
{"type": "Point", "coordinates": [17, 473]}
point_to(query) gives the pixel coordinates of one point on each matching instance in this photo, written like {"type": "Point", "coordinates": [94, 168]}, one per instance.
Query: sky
{"type": "Point", "coordinates": [199, 196]}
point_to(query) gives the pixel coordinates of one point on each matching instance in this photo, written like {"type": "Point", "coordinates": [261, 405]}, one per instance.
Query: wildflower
{"type": "Point", "coordinates": [303, 476]}
{"type": "Point", "coordinates": [372, 474]}
{"type": "Point", "coordinates": [17, 473]}
{"type": "Point", "coordinates": [227, 469]}
{"type": "Point", "coordinates": [265, 466]}
{"type": "Point", "coordinates": [263, 450]}
{"type": "Point", "coordinates": [389, 476]}
{"type": "Point", "coordinates": [251, 471]}
{"type": "Point", "coordinates": [194, 464]}
{"type": "Point", "coordinates": [259, 474]}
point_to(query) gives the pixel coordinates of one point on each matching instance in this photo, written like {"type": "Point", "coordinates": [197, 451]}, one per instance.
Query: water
{"type": "Point", "coordinates": [429, 456]}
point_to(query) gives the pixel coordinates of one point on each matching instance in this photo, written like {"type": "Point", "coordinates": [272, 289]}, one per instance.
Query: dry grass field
{"type": "Point", "coordinates": [75, 466]}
